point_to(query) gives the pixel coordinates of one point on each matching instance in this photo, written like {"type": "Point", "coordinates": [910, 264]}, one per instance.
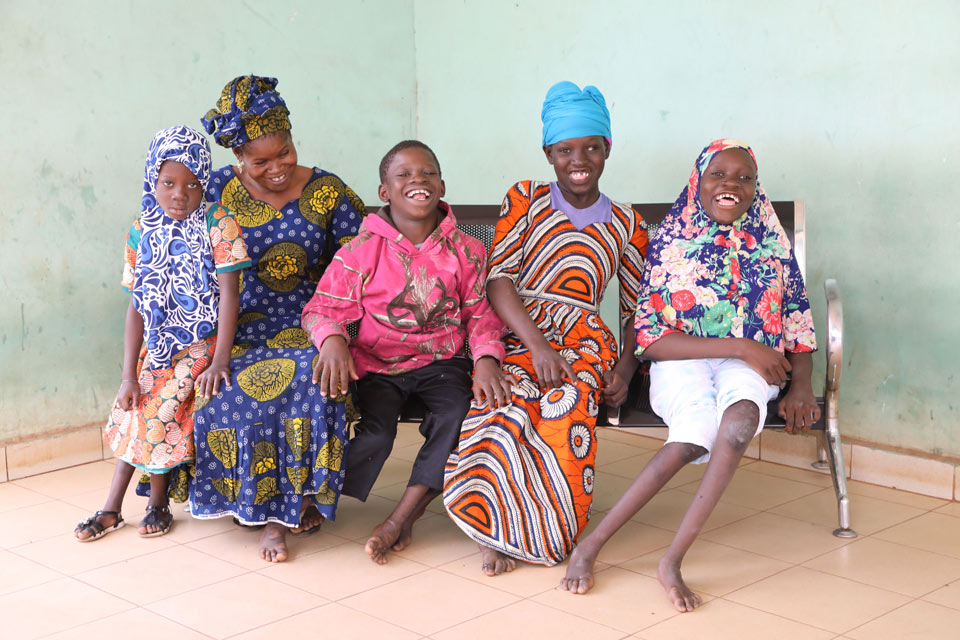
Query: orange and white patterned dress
{"type": "Point", "coordinates": [521, 480]}
{"type": "Point", "coordinates": [157, 436]}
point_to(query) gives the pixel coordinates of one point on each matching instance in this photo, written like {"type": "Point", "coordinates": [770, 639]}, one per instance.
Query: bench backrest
{"type": "Point", "coordinates": [479, 220]}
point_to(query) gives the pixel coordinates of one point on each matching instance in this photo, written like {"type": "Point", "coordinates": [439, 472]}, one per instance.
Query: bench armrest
{"type": "Point", "coordinates": [834, 336]}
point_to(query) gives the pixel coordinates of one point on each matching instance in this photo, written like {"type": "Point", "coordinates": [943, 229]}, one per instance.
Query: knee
{"type": "Point", "coordinates": [739, 424]}
{"type": "Point", "coordinates": [688, 452]}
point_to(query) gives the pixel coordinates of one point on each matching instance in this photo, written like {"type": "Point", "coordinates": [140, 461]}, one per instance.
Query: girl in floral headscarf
{"type": "Point", "coordinates": [183, 258]}
{"type": "Point", "coordinates": [723, 315]}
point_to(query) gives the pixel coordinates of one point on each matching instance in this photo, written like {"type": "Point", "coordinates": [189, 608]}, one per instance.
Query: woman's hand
{"type": "Point", "coordinates": [490, 384]}
{"type": "Point", "coordinates": [129, 395]}
{"type": "Point", "coordinates": [769, 363]}
{"type": "Point", "coordinates": [208, 382]}
{"type": "Point", "coordinates": [551, 367]}
{"type": "Point", "coordinates": [799, 408]}
{"type": "Point", "coordinates": [335, 368]}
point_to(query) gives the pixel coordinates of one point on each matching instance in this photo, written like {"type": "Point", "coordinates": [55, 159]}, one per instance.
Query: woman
{"type": "Point", "coordinates": [521, 481]}
{"type": "Point", "coordinates": [270, 447]}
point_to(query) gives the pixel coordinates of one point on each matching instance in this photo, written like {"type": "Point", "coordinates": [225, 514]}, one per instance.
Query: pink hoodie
{"type": "Point", "coordinates": [415, 306]}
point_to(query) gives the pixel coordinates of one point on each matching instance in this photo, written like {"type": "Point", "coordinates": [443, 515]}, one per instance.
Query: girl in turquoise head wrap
{"type": "Point", "coordinates": [521, 481]}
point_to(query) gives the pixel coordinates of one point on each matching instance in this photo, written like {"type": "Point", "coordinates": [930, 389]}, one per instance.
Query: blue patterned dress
{"type": "Point", "coordinates": [272, 439]}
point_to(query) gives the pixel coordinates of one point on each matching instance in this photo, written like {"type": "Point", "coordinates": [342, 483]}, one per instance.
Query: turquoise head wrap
{"type": "Point", "coordinates": [569, 112]}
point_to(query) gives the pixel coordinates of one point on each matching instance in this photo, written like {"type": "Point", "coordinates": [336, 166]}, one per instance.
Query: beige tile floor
{"type": "Point", "coordinates": [766, 564]}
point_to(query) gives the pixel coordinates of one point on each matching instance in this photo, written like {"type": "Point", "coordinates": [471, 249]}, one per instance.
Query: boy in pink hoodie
{"type": "Point", "coordinates": [415, 283]}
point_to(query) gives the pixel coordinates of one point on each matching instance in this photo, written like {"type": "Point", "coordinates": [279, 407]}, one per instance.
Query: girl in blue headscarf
{"type": "Point", "coordinates": [183, 258]}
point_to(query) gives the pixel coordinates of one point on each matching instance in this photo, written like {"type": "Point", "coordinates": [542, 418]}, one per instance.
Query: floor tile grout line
{"type": "Point", "coordinates": [779, 615]}
{"type": "Point", "coordinates": [292, 615]}
{"type": "Point", "coordinates": [885, 613]}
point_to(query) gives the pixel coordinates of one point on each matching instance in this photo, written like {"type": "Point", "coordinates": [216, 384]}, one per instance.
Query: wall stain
{"type": "Point", "coordinates": [87, 195]}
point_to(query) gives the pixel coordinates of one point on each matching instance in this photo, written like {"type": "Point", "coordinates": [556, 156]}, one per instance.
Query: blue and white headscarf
{"type": "Point", "coordinates": [175, 287]}
{"type": "Point", "coordinates": [569, 112]}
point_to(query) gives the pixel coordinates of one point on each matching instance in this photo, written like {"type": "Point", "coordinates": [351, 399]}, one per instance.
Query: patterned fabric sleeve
{"type": "Point", "coordinates": [798, 333]}
{"type": "Point", "coordinates": [631, 267]}
{"type": "Point", "coordinates": [345, 221]}
{"type": "Point", "coordinates": [650, 323]}
{"type": "Point", "coordinates": [485, 330]}
{"type": "Point", "coordinates": [130, 256]}
{"type": "Point", "coordinates": [229, 250]}
{"type": "Point", "coordinates": [336, 302]}
{"type": "Point", "coordinates": [506, 252]}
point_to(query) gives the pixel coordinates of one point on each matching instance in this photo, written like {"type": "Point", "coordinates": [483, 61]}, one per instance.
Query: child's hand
{"type": "Point", "coordinates": [769, 363]}
{"type": "Point", "coordinates": [129, 395]}
{"type": "Point", "coordinates": [614, 388]}
{"type": "Point", "coordinates": [551, 368]}
{"type": "Point", "coordinates": [335, 368]}
{"type": "Point", "coordinates": [208, 382]}
{"type": "Point", "coordinates": [490, 384]}
{"type": "Point", "coordinates": [799, 408]}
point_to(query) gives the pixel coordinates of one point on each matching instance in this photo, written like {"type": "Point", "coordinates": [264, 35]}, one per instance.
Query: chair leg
{"type": "Point", "coordinates": [838, 472]}
{"type": "Point", "coordinates": [821, 464]}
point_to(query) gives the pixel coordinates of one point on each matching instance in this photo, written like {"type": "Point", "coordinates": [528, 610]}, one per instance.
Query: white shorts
{"type": "Point", "coordinates": [691, 396]}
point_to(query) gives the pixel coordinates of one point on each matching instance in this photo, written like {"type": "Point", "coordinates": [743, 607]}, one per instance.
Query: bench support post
{"type": "Point", "coordinates": [831, 392]}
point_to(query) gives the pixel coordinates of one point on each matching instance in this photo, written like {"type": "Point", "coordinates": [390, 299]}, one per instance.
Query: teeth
{"type": "Point", "coordinates": [418, 192]}
{"type": "Point", "coordinates": [576, 175]}
{"type": "Point", "coordinates": [728, 196]}
{"type": "Point", "coordinates": [278, 179]}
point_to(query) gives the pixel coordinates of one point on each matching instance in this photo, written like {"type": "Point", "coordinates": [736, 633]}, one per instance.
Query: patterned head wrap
{"type": "Point", "coordinates": [569, 112]}
{"type": "Point", "coordinates": [175, 289]}
{"type": "Point", "coordinates": [713, 280]}
{"type": "Point", "coordinates": [248, 108]}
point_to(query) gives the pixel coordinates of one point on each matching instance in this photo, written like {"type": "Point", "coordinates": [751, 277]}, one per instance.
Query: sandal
{"type": "Point", "coordinates": [96, 529]}
{"type": "Point", "coordinates": [300, 532]}
{"type": "Point", "coordinates": [155, 516]}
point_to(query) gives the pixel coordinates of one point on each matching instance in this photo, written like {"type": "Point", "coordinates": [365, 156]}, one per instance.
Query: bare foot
{"type": "Point", "coordinates": [383, 537]}
{"type": "Point", "coordinates": [310, 521]}
{"type": "Point", "coordinates": [679, 593]}
{"type": "Point", "coordinates": [493, 563]}
{"type": "Point", "coordinates": [273, 546]}
{"type": "Point", "coordinates": [406, 531]}
{"type": "Point", "coordinates": [579, 577]}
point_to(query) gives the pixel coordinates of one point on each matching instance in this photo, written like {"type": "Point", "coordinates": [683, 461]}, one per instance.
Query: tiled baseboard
{"type": "Point", "coordinates": [868, 464]}
{"type": "Point", "coordinates": [44, 454]}
{"type": "Point", "coordinates": [875, 466]}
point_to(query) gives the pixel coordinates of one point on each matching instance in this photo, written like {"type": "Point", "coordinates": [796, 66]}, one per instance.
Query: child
{"type": "Point", "coordinates": [722, 299]}
{"type": "Point", "coordinates": [415, 283]}
{"type": "Point", "coordinates": [182, 262]}
{"type": "Point", "coordinates": [521, 482]}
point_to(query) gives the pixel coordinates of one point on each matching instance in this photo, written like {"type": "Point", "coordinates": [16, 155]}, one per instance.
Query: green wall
{"type": "Point", "coordinates": [87, 85]}
{"type": "Point", "coordinates": [850, 106]}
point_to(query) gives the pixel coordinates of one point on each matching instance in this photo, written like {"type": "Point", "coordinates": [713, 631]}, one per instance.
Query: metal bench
{"type": "Point", "coordinates": [480, 220]}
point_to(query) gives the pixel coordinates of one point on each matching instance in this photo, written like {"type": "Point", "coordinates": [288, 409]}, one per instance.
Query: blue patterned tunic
{"type": "Point", "coordinates": [272, 439]}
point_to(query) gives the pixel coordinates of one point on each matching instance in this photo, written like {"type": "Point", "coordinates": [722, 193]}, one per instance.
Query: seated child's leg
{"type": "Point", "coordinates": [742, 398]}
{"type": "Point", "coordinates": [379, 398]}
{"type": "Point", "coordinates": [692, 421]}
{"type": "Point", "coordinates": [445, 389]}
{"type": "Point", "coordinates": [656, 473]}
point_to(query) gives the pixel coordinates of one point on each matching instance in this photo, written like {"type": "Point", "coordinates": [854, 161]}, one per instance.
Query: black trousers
{"type": "Point", "coordinates": [444, 388]}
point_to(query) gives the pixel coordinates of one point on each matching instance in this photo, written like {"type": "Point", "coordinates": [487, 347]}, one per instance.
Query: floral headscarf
{"type": "Point", "coordinates": [738, 280]}
{"type": "Point", "coordinates": [248, 108]}
{"type": "Point", "coordinates": [175, 287]}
